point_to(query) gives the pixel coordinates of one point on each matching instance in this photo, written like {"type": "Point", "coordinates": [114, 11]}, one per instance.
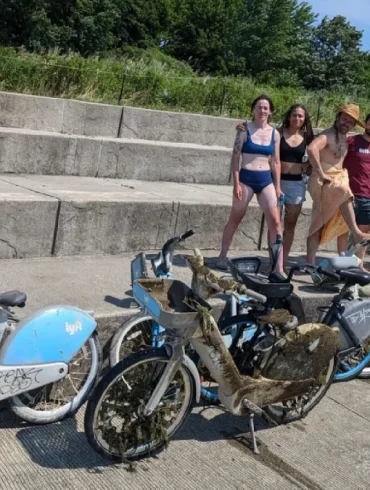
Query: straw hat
{"type": "Point", "coordinates": [352, 110]}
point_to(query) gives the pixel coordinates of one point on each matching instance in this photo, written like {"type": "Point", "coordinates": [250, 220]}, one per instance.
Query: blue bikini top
{"type": "Point", "coordinates": [255, 149]}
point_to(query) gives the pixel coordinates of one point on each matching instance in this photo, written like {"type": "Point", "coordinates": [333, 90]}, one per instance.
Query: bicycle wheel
{"type": "Point", "coordinates": [133, 335]}
{"type": "Point", "coordinates": [298, 407]}
{"type": "Point", "coordinates": [56, 401]}
{"type": "Point", "coordinates": [353, 366]}
{"type": "Point", "coordinates": [114, 422]}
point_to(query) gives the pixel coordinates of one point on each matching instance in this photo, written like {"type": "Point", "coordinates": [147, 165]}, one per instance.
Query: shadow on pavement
{"type": "Point", "coordinates": [126, 303]}
{"type": "Point", "coordinates": [62, 446]}
{"type": "Point", "coordinates": [59, 446]}
{"type": "Point", "coordinates": [220, 427]}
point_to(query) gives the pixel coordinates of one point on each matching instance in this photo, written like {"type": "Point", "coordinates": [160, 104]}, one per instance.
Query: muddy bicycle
{"type": "Point", "coordinates": [143, 400]}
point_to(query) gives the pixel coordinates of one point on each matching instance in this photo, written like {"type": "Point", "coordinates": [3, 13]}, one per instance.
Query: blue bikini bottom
{"type": "Point", "coordinates": [257, 180]}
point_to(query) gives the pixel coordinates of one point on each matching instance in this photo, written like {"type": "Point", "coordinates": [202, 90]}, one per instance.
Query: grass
{"type": "Point", "coordinates": [153, 80]}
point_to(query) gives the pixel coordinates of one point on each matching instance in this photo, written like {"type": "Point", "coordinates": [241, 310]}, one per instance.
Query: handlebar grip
{"type": "Point", "coordinates": [257, 296]}
{"type": "Point", "coordinates": [333, 275]}
{"type": "Point", "coordinates": [187, 234]}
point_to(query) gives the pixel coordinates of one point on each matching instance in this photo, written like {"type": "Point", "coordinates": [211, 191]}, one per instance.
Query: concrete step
{"type": "Point", "coordinates": [47, 153]}
{"type": "Point", "coordinates": [91, 119]}
{"type": "Point", "coordinates": [65, 215]}
{"type": "Point", "coordinates": [102, 284]}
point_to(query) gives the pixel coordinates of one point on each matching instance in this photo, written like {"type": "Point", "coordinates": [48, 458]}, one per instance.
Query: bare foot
{"type": "Point", "coordinates": [361, 237]}
{"type": "Point", "coordinates": [362, 267]}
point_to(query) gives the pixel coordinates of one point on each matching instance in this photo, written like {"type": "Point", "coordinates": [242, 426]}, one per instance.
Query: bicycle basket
{"type": "Point", "coordinates": [166, 300]}
{"type": "Point", "coordinates": [138, 268]}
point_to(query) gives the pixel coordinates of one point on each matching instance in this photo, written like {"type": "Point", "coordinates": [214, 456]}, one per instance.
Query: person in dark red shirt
{"type": "Point", "coordinates": [357, 162]}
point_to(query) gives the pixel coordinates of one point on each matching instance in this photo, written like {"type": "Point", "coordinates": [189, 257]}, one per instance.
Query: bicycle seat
{"type": "Point", "coordinates": [271, 290]}
{"type": "Point", "coordinates": [355, 276]}
{"type": "Point", "coordinates": [13, 298]}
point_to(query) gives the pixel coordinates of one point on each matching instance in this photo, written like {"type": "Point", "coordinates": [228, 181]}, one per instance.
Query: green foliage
{"type": "Point", "coordinates": [154, 81]}
{"type": "Point", "coordinates": [336, 60]}
{"type": "Point", "coordinates": [273, 41]}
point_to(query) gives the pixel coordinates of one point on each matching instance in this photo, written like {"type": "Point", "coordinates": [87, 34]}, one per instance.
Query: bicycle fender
{"type": "Point", "coordinates": [51, 334]}
{"type": "Point", "coordinates": [194, 372]}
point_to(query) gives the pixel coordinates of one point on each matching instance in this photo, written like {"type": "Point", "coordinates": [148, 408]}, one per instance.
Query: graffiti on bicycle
{"type": "Point", "coordinates": [360, 316]}
{"type": "Point", "coordinates": [18, 379]}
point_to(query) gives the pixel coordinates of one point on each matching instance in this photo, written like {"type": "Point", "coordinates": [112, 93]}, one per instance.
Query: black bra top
{"type": "Point", "coordinates": [292, 154]}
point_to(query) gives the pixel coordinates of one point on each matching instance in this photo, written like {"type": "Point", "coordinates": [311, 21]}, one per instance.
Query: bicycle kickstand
{"type": "Point", "coordinates": [253, 433]}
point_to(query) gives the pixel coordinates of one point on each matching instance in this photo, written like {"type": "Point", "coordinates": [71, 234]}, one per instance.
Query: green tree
{"type": "Point", "coordinates": [276, 39]}
{"type": "Point", "coordinates": [337, 60]}
{"type": "Point", "coordinates": [84, 26]}
{"type": "Point", "coordinates": [206, 34]}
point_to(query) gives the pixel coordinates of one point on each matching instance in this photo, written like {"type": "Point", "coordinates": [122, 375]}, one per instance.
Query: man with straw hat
{"type": "Point", "coordinates": [332, 209]}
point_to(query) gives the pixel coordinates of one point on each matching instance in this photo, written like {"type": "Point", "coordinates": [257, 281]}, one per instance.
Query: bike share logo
{"type": "Point", "coordinates": [73, 328]}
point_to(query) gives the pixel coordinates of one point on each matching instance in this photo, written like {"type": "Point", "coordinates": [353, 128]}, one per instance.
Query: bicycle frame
{"type": "Point", "coordinates": [239, 394]}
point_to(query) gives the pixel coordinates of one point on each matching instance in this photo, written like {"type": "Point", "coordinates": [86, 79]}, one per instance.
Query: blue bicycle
{"type": "Point", "coordinates": [49, 361]}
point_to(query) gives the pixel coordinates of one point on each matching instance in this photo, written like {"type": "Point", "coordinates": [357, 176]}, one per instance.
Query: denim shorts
{"type": "Point", "coordinates": [294, 191]}
{"type": "Point", "coordinates": [362, 210]}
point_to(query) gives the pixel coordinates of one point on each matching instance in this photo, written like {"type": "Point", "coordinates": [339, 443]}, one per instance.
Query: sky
{"type": "Point", "coordinates": [356, 11]}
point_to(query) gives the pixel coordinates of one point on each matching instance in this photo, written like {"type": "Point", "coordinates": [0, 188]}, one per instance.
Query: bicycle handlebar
{"type": "Point", "coordinates": [257, 296]}
{"type": "Point", "coordinates": [248, 292]}
{"type": "Point", "coordinates": [327, 273]}
{"type": "Point", "coordinates": [186, 235]}
{"type": "Point", "coordinates": [312, 268]}
{"type": "Point", "coordinates": [163, 261]}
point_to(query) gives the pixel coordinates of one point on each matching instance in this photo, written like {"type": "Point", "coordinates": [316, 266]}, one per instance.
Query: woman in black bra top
{"type": "Point", "coordinates": [296, 134]}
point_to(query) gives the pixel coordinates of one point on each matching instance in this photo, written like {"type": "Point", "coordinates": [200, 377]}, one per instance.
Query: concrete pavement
{"type": "Point", "coordinates": [329, 450]}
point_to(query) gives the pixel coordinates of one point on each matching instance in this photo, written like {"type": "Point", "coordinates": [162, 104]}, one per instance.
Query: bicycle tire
{"type": "Point", "coordinates": [108, 380]}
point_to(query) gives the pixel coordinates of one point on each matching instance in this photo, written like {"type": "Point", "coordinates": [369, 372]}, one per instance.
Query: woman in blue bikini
{"type": "Point", "coordinates": [255, 175]}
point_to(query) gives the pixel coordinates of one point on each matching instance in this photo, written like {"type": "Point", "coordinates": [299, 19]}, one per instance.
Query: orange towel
{"type": "Point", "coordinates": [327, 199]}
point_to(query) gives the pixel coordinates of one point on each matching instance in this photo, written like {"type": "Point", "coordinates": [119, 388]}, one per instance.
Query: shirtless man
{"type": "Point", "coordinates": [332, 211]}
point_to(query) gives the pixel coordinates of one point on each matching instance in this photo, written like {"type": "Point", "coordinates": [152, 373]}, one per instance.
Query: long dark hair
{"type": "Point", "coordinates": [335, 126]}
{"type": "Point", "coordinates": [307, 125]}
{"type": "Point", "coordinates": [263, 97]}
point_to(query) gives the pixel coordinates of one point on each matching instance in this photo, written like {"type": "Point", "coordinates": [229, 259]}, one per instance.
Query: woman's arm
{"type": "Point", "coordinates": [235, 161]}
{"type": "Point", "coordinates": [276, 164]}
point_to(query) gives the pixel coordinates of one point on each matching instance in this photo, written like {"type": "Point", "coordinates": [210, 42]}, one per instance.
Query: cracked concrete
{"type": "Point", "coordinates": [31, 233]}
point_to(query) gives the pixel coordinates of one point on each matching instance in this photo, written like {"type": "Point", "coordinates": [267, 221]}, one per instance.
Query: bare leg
{"type": "Point", "coordinates": [348, 214]}
{"type": "Point", "coordinates": [361, 253]}
{"type": "Point", "coordinates": [313, 242]}
{"type": "Point", "coordinates": [342, 242]}
{"type": "Point", "coordinates": [268, 202]}
{"type": "Point", "coordinates": [238, 211]}
{"type": "Point", "coordinates": [292, 212]}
